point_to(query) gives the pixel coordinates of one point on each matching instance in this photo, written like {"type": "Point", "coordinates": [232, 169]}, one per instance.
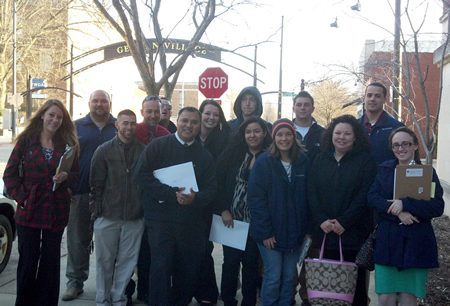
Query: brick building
{"type": "Point", "coordinates": [377, 66]}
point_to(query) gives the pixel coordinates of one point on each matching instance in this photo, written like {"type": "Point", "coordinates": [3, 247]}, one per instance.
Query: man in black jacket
{"type": "Point", "coordinates": [115, 203]}
{"type": "Point", "coordinates": [308, 130]}
{"type": "Point", "coordinates": [309, 133]}
{"type": "Point", "coordinates": [173, 218]}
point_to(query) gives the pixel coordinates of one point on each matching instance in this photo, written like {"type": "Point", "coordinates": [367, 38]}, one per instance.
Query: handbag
{"type": "Point", "coordinates": [330, 282]}
{"type": "Point", "coordinates": [364, 259]}
{"type": "Point", "coordinates": [20, 170]}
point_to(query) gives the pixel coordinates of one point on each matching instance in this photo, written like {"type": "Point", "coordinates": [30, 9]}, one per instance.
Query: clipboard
{"type": "Point", "coordinates": [414, 181]}
{"type": "Point", "coordinates": [65, 163]}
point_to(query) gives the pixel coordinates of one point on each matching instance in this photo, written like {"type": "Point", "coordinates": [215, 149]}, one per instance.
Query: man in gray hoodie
{"type": "Point", "coordinates": [247, 104]}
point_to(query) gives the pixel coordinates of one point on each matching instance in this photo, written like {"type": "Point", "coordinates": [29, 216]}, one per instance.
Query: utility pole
{"type": "Point", "coordinates": [280, 91]}
{"type": "Point", "coordinates": [255, 75]}
{"type": "Point", "coordinates": [397, 63]}
{"type": "Point", "coordinates": [14, 103]}
{"type": "Point", "coordinates": [71, 82]}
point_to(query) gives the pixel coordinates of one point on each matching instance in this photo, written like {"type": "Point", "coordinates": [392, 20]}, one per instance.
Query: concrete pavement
{"type": "Point", "coordinates": [8, 283]}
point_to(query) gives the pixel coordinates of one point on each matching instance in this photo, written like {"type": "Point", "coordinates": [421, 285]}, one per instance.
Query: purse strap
{"type": "Point", "coordinates": [323, 248]}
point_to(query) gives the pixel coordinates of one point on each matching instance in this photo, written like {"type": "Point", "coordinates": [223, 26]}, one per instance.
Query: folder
{"type": "Point", "coordinates": [414, 181]}
{"type": "Point", "coordinates": [65, 163]}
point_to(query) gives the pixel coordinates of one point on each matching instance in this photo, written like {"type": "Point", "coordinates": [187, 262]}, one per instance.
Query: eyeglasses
{"type": "Point", "coordinates": [404, 145]}
{"type": "Point", "coordinates": [168, 106]}
{"type": "Point", "coordinates": [149, 98]}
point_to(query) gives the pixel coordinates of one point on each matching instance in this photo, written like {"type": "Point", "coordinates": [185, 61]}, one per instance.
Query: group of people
{"type": "Point", "coordinates": [288, 180]}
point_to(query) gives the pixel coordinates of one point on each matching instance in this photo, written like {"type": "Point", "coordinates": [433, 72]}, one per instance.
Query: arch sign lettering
{"type": "Point", "coordinates": [177, 46]}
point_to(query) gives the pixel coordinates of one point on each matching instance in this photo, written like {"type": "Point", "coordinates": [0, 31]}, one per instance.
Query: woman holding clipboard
{"type": "Point", "coordinates": [42, 214]}
{"type": "Point", "coordinates": [405, 245]}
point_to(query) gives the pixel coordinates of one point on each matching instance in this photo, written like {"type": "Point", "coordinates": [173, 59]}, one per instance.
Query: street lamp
{"type": "Point", "coordinates": [356, 7]}
{"type": "Point", "coordinates": [334, 24]}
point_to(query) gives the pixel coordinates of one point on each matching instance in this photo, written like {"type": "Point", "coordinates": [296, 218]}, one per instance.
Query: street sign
{"type": "Point", "coordinates": [38, 83]}
{"type": "Point", "coordinates": [289, 94]}
{"type": "Point", "coordinates": [213, 83]}
{"type": "Point", "coordinates": [9, 95]}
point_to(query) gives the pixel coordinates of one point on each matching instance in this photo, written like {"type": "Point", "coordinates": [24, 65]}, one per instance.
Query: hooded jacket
{"type": "Point", "coordinates": [235, 123]}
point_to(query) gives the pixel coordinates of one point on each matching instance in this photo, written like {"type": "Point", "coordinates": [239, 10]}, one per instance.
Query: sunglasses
{"type": "Point", "coordinates": [155, 98]}
{"type": "Point", "coordinates": [168, 106]}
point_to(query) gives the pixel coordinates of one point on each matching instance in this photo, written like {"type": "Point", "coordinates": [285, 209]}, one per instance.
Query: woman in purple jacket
{"type": "Point", "coordinates": [42, 214]}
{"type": "Point", "coordinates": [405, 245]}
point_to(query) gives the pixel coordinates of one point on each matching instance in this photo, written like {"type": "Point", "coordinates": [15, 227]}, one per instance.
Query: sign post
{"type": "Point", "coordinates": [213, 83]}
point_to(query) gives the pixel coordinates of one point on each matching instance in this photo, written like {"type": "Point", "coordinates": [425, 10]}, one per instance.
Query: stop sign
{"type": "Point", "coordinates": [213, 82]}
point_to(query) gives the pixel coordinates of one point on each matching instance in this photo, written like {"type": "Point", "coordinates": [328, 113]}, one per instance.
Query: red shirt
{"type": "Point", "coordinates": [369, 127]}
{"type": "Point", "coordinates": [143, 132]}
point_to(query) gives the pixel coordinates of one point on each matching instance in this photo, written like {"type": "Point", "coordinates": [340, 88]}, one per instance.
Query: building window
{"type": "Point", "coordinates": [181, 99]}
{"type": "Point", "coordinates": [45, 59]}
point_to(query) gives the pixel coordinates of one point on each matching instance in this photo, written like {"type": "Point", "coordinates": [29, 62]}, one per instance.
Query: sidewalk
{"type": "Point", "coordinates": [8, 282]}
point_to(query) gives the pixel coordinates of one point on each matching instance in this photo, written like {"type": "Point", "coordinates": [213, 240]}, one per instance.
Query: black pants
{"type": "Point", "coordinates": [38, 247]}
{"type": "Point", "coordinates": [232, 259]}
{"type": "Point", "coordinates": [176, 251]}
{"type": "Point", "coordinates": [207, 289]}
{"type": "Point", "coordinates": [360, 298]}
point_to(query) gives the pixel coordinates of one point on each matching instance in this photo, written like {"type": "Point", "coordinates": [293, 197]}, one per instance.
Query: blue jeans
{"type": "Point", "coordinates": [279, 274]}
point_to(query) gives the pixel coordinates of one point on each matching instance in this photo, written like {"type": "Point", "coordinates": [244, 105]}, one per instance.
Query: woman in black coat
{"type": "Point", "coordinates": [233, 170]}
{"type": "Point", "coordinates": [338, 183]}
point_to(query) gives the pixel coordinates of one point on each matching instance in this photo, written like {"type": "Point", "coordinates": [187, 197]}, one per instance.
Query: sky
{"type": "Point", "coordinates": [310, 46]}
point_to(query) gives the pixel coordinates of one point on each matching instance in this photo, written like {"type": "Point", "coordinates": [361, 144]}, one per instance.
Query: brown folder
{"type": "Point", "coordinates": [413, 181]}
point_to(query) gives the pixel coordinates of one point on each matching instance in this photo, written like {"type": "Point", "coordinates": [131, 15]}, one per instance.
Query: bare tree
{"type": "Point", "coordinates": [330, 99]}
{"type": "Point", "coordinates": [145, 58]}
{"type": "Point", "coordinates": [413, 71]}
{"type": "Point", "coordinates": [41, 42]}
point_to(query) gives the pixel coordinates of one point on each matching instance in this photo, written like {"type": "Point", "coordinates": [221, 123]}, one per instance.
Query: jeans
{"type": "Point", "coordinates": [38, 270]}
{"type": "Point", "coordinates": [79, 236]}
{"type": "Point", "coordinates": [279, 273]}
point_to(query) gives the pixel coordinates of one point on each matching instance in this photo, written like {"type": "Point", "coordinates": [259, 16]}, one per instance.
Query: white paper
{"type": "Point", "coordinates": [235, 237]}
{"type": "Point", "coordinates": [181, 175]}
{"type": "Point", "coordinates": [414, 172]}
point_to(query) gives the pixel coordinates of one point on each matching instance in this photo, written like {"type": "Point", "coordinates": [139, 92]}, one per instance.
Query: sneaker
{"type": "Point", "coordinates": [71, 293]}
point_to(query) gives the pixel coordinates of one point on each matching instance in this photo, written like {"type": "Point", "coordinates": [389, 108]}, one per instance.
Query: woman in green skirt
{"type": "Point", "coordinates": [405, 246]}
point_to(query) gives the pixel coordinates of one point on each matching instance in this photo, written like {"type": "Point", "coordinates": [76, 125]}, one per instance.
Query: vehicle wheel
{"type": "Point", "coordinates": [6, 240]}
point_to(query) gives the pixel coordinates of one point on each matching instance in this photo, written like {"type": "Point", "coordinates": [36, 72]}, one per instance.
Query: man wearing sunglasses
{"type": "Point", "coordinates": [166, 114]}
{"type": "Point", "coordinates": [149, 128]}
{"type": "Point", "coordinates": [377, 122]}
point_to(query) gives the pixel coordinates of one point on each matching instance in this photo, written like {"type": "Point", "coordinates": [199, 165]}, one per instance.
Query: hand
{"type": "Point", "coordinates": [327, 226]}
{"type": "Point", "coordinates": [185, 199]}
{"type": "Point", "coordinates": [396, 207]}
{"type": "Point", "coordinates": [337, 227]}
{"type": "Point", "coordinates": [227, 219]}
{"type": "Point", "coordinates": [60, 177]}
{"type": "Point", "coordinates": [407, 218]}
{"type": "Point", "coordinates": [270, 243]}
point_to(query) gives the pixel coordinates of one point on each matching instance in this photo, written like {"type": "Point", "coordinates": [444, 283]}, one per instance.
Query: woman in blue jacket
{"type": "Point", "coordinates": [279, 214]}
{"type": "Point", "coordinates": [405, 244]}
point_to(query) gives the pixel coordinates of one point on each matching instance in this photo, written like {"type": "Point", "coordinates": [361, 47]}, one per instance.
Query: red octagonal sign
{"type": "Point", "coordinates": [213, 82]}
